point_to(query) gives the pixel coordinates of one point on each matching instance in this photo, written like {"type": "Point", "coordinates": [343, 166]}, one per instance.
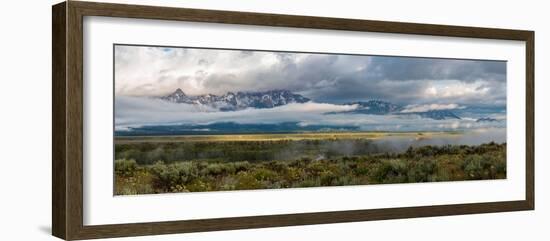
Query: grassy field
{"type": "Point", "coordinates": [279, 137]}
{"type": "Point", "coordinates": [162, 164]}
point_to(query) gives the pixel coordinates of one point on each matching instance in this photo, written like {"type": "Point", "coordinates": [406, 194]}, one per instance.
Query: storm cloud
{"type": "Point", "coordinates": [324, 78]}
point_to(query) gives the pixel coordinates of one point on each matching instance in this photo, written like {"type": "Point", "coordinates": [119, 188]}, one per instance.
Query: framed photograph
{"type": "Point", "coordinates": [171, 120]}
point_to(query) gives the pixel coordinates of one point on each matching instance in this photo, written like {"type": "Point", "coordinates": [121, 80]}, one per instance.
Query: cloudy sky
{"type": "Point", "coordinates": [468, 87]}
{"type": "Point", "coordinates": [327, 78]}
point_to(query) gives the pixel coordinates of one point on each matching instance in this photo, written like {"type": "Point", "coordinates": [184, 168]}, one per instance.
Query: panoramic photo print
{"type": "Point", "coordinates": [198, 119]}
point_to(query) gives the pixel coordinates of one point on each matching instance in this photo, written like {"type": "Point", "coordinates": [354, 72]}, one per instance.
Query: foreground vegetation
{"type": "Point", "coordinates": [142, 168]}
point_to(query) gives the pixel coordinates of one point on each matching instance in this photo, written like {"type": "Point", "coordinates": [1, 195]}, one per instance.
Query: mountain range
{"type": "Point", "coordinates": [378, 107]}
{"type": "Point", "coordinates": [486, 119]}
{"type": "Point", "coordinates": [240, 100]}
{"type": "Point", "coordinates": [273, 98]}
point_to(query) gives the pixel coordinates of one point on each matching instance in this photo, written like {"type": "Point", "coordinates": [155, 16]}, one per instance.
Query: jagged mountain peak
{"type": "Point", "coordinates": [486, 119]}
{"type": "Point", "coordinates": [240, 100]}
{"type": "Point", "coordinates": [177, 96]}
{"type": "Point", "coordinates": [376, 107]}
{"type": "Point", "coordinates": [231, 101]}
{"type": "Point", "coordinates": [380, 107]}
{"type": "Point", "coordinates": [437, 114]}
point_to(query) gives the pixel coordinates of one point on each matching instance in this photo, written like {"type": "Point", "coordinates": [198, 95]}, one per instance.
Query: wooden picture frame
{"type": "Point", "coordinates": [67, 124]}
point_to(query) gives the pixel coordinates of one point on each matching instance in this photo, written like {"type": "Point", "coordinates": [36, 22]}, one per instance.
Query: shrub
{"type": "Point", "coordinates": [168, 176]}
{"type": "Point", "coordinates": [198, 185]}
{"type": "Point", "coordinates": [125, 168]}
{"type": "Point", "coordinates": [422, 171]}
{"type": "Point", "coordinates": [241, 166]}
{"type": "Point", "coordinates": [246, 181]}
{"type": "Point", "coordinates": [328, 178]}
{"type": "Point", "coordinates": [262, 174]}
{"type": "Point", "coordinates": [309, 182]}
{"type": "Point", "coordinates": [473, 167]}
{"type": "Point", "coordinates": [217, 169]}
{"type": "Point", "coordinates": [389, 171]}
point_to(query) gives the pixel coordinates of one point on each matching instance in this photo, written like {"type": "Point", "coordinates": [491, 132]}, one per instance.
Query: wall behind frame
{"type": "Point", "coordinates": [25, 125]}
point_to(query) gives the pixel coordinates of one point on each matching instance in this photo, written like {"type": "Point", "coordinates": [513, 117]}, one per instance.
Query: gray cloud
{"type": "Point", "coordinates": [147, 71]}
{"type": "Point", "coordinates": [403, 68]}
